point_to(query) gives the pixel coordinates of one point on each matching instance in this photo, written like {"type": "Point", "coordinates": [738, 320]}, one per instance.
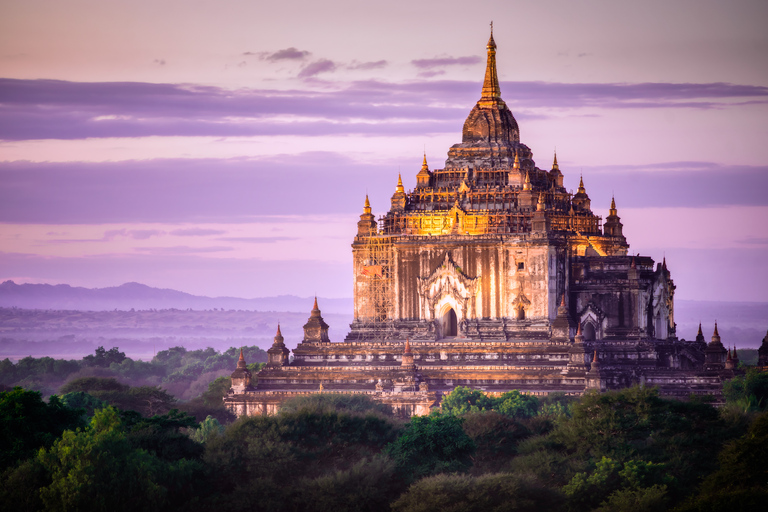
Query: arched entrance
{"type": "Point", "coordinates": [589, 332]}
{"type": "Point", "coordinates": [449, 324]}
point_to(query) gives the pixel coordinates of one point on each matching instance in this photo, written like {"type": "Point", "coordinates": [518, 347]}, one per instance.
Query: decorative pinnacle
{"type": "Point", "coordinates": [491, 90]}
{"type": "Point", "coordinates": [578, 329]}
{"type": "Point", "coordinates": [541, 206]}
{"type": "Point", "coordinates": [613, 203]}
{"type": "Point", "coordinates": [424, 166]}
{"type": "Point", "coordinates": [400, 187]}
{"type": "Point", "coordinates": [367, 207]}
{"type": "Point", "coordinates": [516, 165]}
{"type": "Point", "coordinates": [241, 361]}
{"type": "Point", "coordinates": [314, 307]}
{"type": "Point", "coordinates": [278, 331]}
{"type": "Point", "coordinates": [554, 164]}
{"type": "Point", "coordinates": [527, 184]}
{"type": "Point", "coordinates": [581, 183]}
{"type": "Point", "coordinates": [241, 355]}
{"type": "Point", "coordinates": [562, 301]}
{"type": "Point", "coordinates": [699, 333]}
{"type": "Point", "coordinates": [716, 333]}
{"type": "Point", "coordinates": [407, 347]}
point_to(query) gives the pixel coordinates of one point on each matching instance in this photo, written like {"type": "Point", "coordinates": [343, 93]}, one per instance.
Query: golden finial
{"type": "Point", "coordinates": [516, 165]}
{"type": "Point", "coordinates": [424, 166]}
{"type": "Point", "coordinates": [367, 207]}
{"type": "Point", "coordinates": [527, 184]}
{"type": "Point", "coordinates": [400, 187]}
{"type": "Point", "coordinates": [491, 90]}
{"type": "Point", "coordinates": [581, 183]}
{"type": "Point", "coordinates": [613, 203]}
{"type": "Point", "coordinates": [554, 165]}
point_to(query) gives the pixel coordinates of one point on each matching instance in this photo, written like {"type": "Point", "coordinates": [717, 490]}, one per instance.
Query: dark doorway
{"type": "Point", "coordinates": [589, 332]}
{"type": "Point", "coordinates": [450, 324]}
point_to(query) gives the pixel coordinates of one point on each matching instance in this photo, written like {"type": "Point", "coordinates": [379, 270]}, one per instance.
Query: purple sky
{"type": "Point", "coordinates": [226, 148]}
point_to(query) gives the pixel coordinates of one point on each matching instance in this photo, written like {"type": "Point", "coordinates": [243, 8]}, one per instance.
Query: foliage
{"type": "Point", "coordinates": [749, 392]}
{"type": "Point", "coordinates": [99, 469]}
{"type": "Point", "coordinates": [486, 493]}
{"type": "Point", "coordinates": [496, 438]}
{"type": "Point", "coordinates": [463, 400]}
{"type": "Point", "coordinates": [320, 403]}
{"type": "Point", "coordinates": [35, 367]}
{"type": "Point", "coordinates": [27, 424]}
{"type": "Point", "coordinates": [104, 358]}
{"type": "Point", "coordinates": [93, 384]}
{"type": "Point", "coordinates": [432, 444]}
{"type": "Point", "coordinates": [210, 403]}
{"type": "Point", "coordinates": [208, 428]}
{"type": "Point", "coordinates": [741, 482]}
{"type": "Point", "coordinates": [82, 400]}
{"type": "Point", "coordinates": [613, 483]}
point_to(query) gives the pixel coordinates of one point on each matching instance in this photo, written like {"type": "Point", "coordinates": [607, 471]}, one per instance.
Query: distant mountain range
{"type": "Point", "coordinates": [141, 297]}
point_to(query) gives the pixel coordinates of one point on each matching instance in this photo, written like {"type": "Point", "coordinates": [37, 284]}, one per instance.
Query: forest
{"type": "Point", "coordinates": [113, 437]}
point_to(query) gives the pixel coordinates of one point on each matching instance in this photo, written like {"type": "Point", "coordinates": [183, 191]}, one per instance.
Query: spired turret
{"type": "Point", "coordinates": [366, 226]}
{"type": "Point", "coordinates": [316, 330]}
{"type": "Point", "coordinates": [762, 352]}
{"type": "Point", "coordinates": [613, 225]}
{"type": "Point", "coordinates": [278, 353]}
{"type": "Point", "coordinates": [490, 136]}
{"type": "Point", "coordinates": [241, 377]}
{"type": "Point", "coordinates": [715, 354]}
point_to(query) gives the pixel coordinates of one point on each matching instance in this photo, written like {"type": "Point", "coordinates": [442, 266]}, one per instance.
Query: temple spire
{"type": "Point", "coordinates": [424, 166]}
{"type": "Point", "coordinates": [491, 90]}
{"type": "Point", "coordinates": [554, 164]}
{"type": "Point", "coordinates": [367, 207]}
{"type": "Point", "coordinates": [400, 187]}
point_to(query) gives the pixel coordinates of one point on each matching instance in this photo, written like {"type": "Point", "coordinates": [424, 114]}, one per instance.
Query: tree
{"type": "Point", "coordinates": [104, 358]}
{"type": "Point", "coordinates": [432, 444]}
{"type": "Point", "coordinates": [749, 392]}
{"type": "Point", "coordinates": [741, 482]}
{"type": "Point", "coordinates": [207, 428]}
{"type": "Point", "coordinates": [517, 405]}
{"type": "Point", "coordinates": [97, 469]}
{"type": "Point", "coordinates": [27, 424]}
{"type": "Point", "coordinates": [464, 493]}
{"type": "Point", "coordinates": [463, 400]}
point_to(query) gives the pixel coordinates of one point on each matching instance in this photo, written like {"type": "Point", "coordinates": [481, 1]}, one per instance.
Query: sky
{"type": "Point", "coordinates": [224, 148]}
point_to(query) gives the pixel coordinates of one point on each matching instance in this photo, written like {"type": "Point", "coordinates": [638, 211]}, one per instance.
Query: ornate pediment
{"type": "Point", "coordinates": [448, 281]}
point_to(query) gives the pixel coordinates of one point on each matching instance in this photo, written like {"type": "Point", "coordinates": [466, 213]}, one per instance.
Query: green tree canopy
{"type": "Point", "coordinates": [27, 424]}
{"type": "Point", "coordinates": [432, 444]}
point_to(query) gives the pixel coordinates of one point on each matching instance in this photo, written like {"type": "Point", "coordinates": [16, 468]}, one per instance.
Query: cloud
{"type": "Point", "coordinates": [317, 67]}
{"type": "Point", "coordinates": [54, 109]}
{"type": "Point", "coordinates": [286, 54]}
{"type": "Point", "coordinates": [248, 189]}
{"type": "Point", "coordinates": [136, 234]}
{"type": "Point", "coordinates": [355, 65]}
{"type": "Point", "coordinates": [440, 62]}
{"type": "Point", "coordinates": [182, 249]}
{"type": "Point", "coordinates": [196, 232]}
{"type": "Point", "coordinates": [159, 62]}
{"type": "Point", "coordinates": [257, 239]}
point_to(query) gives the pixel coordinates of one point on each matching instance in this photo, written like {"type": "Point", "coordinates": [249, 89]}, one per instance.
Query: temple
{"type": "Point", "coordinates": [490, 274]}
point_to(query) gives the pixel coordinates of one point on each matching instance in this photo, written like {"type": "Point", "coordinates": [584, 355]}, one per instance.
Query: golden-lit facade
{"type": "Point", "coordinates": [490, 274]}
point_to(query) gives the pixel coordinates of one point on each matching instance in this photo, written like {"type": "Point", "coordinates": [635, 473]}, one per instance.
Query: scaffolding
{"type": "Point", "coordinates": [377, 276]}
